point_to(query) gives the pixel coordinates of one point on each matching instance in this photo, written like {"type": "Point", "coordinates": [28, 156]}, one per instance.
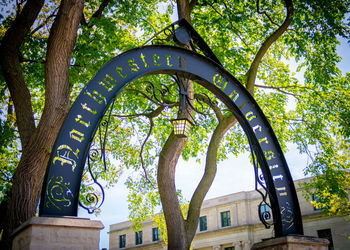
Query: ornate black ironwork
{"type": "Point", "coordinates": [183, 33]}
{"type": "Point", "coordinates": [97, 154]}
{"type": "Point", "coordinates": [168, 32]}
{"type": "Point", "coordinates": [185, 100]}
{"type": "Point", "coordinates": [264, 214]}
{"type": "Point", "coordinates": [155, 92]}
{"type": "Point", "coordinates": [71, 147]}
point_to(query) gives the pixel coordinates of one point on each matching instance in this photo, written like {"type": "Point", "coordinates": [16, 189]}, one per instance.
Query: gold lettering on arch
{"type": "Point", "coordinates": [182, 62]}
{"type": "Point", "coordinates": [76, 135]}
{"type": "Point", "coordinates": [234, 95]}
{"type": "Point", "coordinates": [250, 116]}
{"type": "Point", "coordinates": [155, 59]}
{"type": "Point", "coordinates": [168, 60]}
{"type": "Point", "coordinates": [264, 140]}
{"type": "Point", "coordinates": [108, 82]}
{"type": "Point", "coordinates": [84, 106]}
{"type": "Point", "coordinates": [97, 97]}
{"type": "Point", "coordinates": [143, 58]}
{"type": "Point", "coordinates": [133, 66]}
{"type": "Point", "coordinates": [63, 155]}
{"type": "Point", "coordinates": [119, 71]}
{"type": "Point", "coordinates": [78, 119]}
{"type": "Point", "coordinates": [219, 81]}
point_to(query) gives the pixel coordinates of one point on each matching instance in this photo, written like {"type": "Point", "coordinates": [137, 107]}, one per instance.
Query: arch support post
{"type": "Point", "coordinates": [48, 233]}
{"type": "Point", "coordinates": [293, 242]}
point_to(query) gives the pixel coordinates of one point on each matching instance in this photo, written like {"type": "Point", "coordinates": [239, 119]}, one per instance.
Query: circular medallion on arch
{"type": "Point", "coordinates": [182, 36]}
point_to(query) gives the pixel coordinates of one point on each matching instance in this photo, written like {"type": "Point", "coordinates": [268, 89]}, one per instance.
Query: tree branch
{"type": "Point", "coordinates": [99, 11]}
{"type": "Point", "coordinates": [210, 171]}
{"type": "Point", "coordinates": [265, 13]}
{"type": "Point", "coordinates": [278, 89]}
{"type": "Point", "coordinates": [214, 107]}
{"type": "Point", "coordinates": [184, 10]}
{"type": "Point", "coordinates": [142, 148]}
{"type": "Point", "coordinates": [144, 94]}
{"type": "Point", "coordinates": [193, 3]}
{"type": "Point", "coordinates": [22, 60]}
{"type": "Point", "coordinates": [97, 14]}
{"type": "Point", "coordinates": [9, 59]}
{"type": "Point", "coordinates": [252, 72]}
{"type": "Point", "coordinates": [53, 14]}
{"type": "Point", "coordinates": [164, 103]}
{"type": "Point", "coordinates": [129, 116]}
{"type": "Point", "coordinates": [150, 116]}
{"type": "Point", "coordinates": [238, 32]}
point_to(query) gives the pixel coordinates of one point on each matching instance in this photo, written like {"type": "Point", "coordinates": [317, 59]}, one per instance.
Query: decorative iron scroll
{"type": "Point", "coordinates": [264, 214]}
{"type": "Point", "coordinates": [97, 153]}
{"type": "Point", "coordinates": [183, 33]}
{"type": "Point", "coordinates": [71, 147]}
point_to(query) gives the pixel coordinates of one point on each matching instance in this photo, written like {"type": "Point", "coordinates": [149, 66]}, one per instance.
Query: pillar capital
{"type": "Point", "coordinates": [48, 233]}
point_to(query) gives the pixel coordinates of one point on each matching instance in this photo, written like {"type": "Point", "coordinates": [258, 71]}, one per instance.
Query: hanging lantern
{"type": "Point", "coordinates": [182, 127]}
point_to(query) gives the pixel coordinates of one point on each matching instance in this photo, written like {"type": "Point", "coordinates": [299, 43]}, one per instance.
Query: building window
{"type": "Point", "coordinates": [138, 238]}
{"type": "Point", "coordinates": [122, 240]}
{"type": "Point", "coordinates": [202, 223]}
{"type": "Point", "coordinates": [225, 219]}
{"type": "Point", "coordinates": [155, 234]}
{"type": "Point", "coordinates": [265, 212]}
{"type": "Point", "coordinates": [326, 234]}
{"type": "Point", "coordinates": [229, 248]}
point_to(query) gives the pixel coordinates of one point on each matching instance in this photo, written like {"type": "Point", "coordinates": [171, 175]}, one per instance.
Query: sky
{"type": "Point", "coordinates": [233, 175]}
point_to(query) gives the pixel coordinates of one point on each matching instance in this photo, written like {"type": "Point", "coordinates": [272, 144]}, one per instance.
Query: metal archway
{"type": "Point", "coordinates": [64, 173]}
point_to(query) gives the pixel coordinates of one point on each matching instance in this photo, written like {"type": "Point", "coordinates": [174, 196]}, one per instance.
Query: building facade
{"type": "Point", "coordinates": [231, 222]}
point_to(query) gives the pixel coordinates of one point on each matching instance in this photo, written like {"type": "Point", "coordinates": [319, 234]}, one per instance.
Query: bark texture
{"type": "Point", "coordinates": [181, 231]}
{"type": "Point", "coordinates": [253, 70]}
{"type": "Point", "coordinates": [166, 183]}
{"type": "Point", "coordinates": [180, 234]}
{"type": "Point", "coordinates": [11, 68]}
{"type": "Point", "coordinates": [37, 142]}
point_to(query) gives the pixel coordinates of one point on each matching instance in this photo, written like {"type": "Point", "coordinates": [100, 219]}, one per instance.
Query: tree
{"type": "Point", "coordinates": [42, 74]}
{"type": "Point", "coordinates": [36, 141]}
{"type": "Point", "coordinates": [254, 40]}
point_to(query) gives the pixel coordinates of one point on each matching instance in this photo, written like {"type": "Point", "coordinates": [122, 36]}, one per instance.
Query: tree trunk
{"type": "Point", "coordinates": [11, 68]}
{"type": "Point", "coordinates": [166, 184]}
{"type": "Point", "coordinates": [180, 231]}
{"type": "Point", "coordinates": [225, 123]}
{"type": "Point", "coordinates": [27, 180]}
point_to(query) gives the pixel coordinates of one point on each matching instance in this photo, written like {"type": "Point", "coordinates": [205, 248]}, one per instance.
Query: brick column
{"type": "Point", "coordinates": [54, 233]}
{"type": "Point", "coordinates": [292, 242]}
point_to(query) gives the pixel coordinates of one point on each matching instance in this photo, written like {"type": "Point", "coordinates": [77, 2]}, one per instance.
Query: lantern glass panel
{"type": "Point", "coordinates": [182, 127]}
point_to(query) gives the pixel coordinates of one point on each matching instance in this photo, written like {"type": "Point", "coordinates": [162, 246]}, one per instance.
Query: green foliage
{"type": "Point", "coordinates": [9, 146]}
{"type": "Point", "coordinates": [312, 112]}
{"type": "Point", "coordinates": [9, 156]}
{"type": "Point", "coordinates": [98, 40]}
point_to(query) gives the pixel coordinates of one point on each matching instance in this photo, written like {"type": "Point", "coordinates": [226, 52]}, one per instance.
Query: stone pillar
{"type": "Point", "coordinates": [292, 243]}
{"type": "Point", "coordinates": [246, 245]}
{"type": "Point", "coordinates": [238, 245]}
{"type": "Point", "coordinates": [55, 233]}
